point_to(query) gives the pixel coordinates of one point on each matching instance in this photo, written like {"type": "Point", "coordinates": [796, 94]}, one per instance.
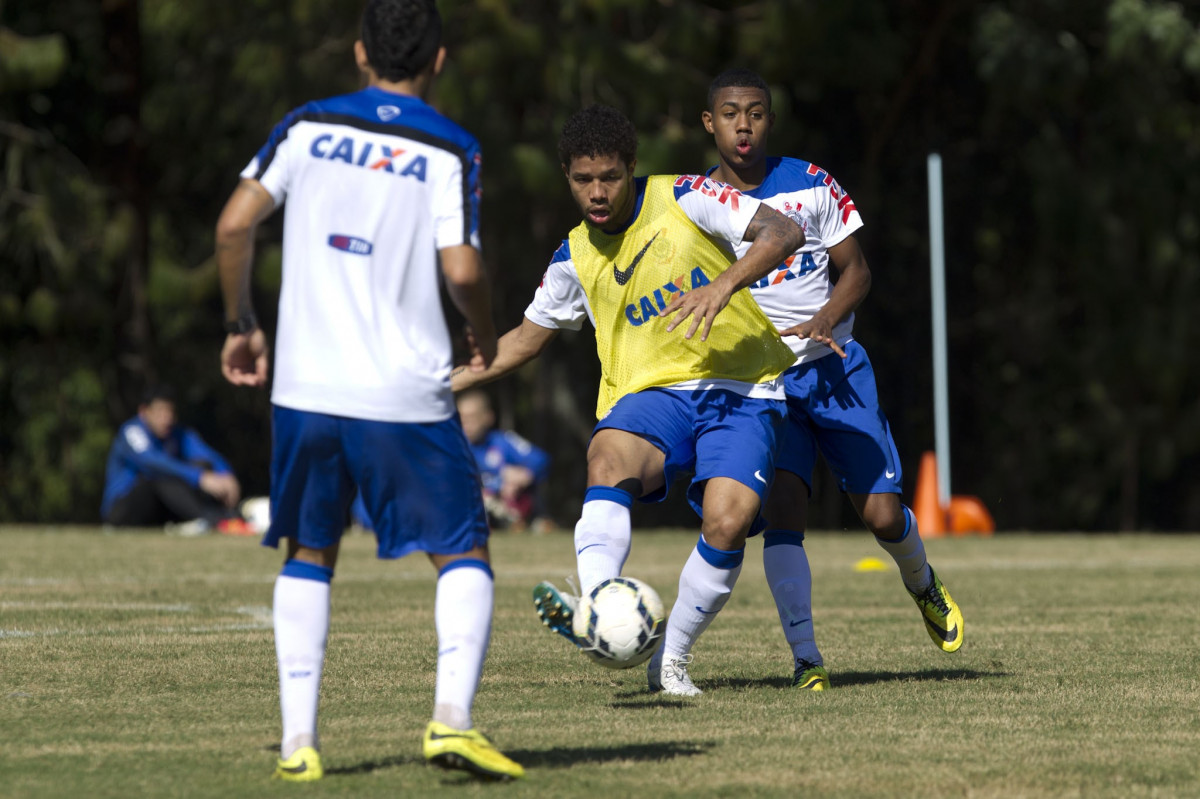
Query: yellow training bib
{"type": "Point", "coordinates": [630, 277]}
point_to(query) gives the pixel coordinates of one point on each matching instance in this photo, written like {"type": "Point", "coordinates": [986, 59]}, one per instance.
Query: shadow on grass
{"type": "Point", "coordinates": [367, 766]}
{"type": "Point", "coordinates": [566, 756]}
{"type": "Point", "coordinates": [925, 675]}
{"type": "Point", "coordinates": [640, 700]}
{"type": "Point", "coordinates": [558, 757]}
{"type": "Point", "coordinates": [846, 679]}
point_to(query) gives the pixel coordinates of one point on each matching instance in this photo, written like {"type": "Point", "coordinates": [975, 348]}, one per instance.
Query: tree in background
{"type": "Point", "coordinates": [1068, 131]}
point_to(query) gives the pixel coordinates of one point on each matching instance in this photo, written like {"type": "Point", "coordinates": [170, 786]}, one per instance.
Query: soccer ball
{"type": "Point", "coordinates": [620, 622]}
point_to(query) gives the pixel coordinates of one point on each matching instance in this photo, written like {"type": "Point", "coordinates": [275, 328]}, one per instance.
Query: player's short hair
{"type": "Point", "coordinates": [158, 392]}
{"type": "Point", "coordinates": [401, 37]}
{"type": "Point", "coordinates": [739, 78]}
{"type": "Point", "coordinates": [596, 131]}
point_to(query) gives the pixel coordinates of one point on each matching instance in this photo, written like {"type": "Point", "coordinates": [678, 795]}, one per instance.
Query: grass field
{"type": "Point", "coordinates": [143, 665]}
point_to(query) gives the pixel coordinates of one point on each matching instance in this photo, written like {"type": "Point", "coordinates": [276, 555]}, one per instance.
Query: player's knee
{"type": "Point", "coordinates": [886, 521]}
{"type": "Point", "coordinates": [725, 530]}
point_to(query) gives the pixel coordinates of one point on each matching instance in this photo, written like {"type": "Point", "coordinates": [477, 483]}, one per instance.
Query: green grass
{"type": "Point", "coordinates": [143, 665]}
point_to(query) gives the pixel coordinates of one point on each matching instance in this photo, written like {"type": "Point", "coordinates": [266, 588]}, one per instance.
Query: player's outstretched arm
{"type": "Point", "coordinates": [853, 283]}
{"type": "Point", "coordinates": [244, 354]}
{"type": "Point", "coordinates": [517, 347]}
{"type": "Point", "coordinates": [772, 236]}
{"type": "Point", "coordinates": [471, 292]}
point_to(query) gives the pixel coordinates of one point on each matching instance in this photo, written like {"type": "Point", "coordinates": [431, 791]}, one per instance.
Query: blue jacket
{"type": "Point", "coordinates": [137, 453]}
{"type": "Point", "coordinates": [501, 448]}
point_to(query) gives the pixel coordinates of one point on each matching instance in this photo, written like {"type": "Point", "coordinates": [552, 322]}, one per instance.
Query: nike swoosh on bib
{"type": "Point", "coordinates": [622, 276]}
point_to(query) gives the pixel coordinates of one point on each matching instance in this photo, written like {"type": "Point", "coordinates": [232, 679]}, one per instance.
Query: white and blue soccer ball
{"type": "Point", "coordinates": [620, 622]}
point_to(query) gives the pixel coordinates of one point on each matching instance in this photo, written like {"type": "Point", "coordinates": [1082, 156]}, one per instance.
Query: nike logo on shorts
{"type": "Point", "coordinates": [622, 276]}
{"type": "Point", "coordinates": [758, 476]}
{"type": "Point", "coordinates": [889, 475]}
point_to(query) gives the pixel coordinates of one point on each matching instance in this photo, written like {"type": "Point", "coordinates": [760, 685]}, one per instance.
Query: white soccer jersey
{"type": "Point", "coordinates": [799, 287]}
{"type": "Point", "coordinates": [560, 303]}
{"type": "Point", "coordinates": [375, 183]}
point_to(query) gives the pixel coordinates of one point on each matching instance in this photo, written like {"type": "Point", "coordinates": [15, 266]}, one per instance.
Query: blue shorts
{"type": "Point", "coordinates": [833, 406]}
{"type": "Point", "coordinates": [713, 433]}
{"type": "Point", "coordinates": [419, 483]}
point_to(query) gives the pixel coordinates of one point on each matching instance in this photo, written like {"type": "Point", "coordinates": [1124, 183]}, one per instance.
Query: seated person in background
{"type": "Point", "coordinates": [510, 468]}
{"type": "Point", "coordinates": [162, 473]}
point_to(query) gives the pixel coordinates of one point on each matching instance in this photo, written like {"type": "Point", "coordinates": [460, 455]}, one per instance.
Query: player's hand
{"type": "Point", "coordinates": [482, 349]}
{"type": "Point", "coordinates": [223, 487]}
{"type": "Point", "coordinates": [702, 304]}
{"type": "Point", "coordinates": [244, 359]}
{"type": "Point", "coordinates": [513, 480]}
{"type": "Point", "coordinates": [815, 329]}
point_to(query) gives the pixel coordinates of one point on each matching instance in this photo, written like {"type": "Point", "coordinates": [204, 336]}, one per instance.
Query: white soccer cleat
{"type": "Point", "coordinates": [669, 675]}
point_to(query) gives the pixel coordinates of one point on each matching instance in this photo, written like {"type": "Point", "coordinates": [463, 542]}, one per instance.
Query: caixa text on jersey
{"type": "Point", "coordinates": [369, 155]}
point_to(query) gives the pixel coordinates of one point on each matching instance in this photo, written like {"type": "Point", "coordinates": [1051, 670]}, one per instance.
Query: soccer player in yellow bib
{"type": "Point", "coordinates": [690, 366]}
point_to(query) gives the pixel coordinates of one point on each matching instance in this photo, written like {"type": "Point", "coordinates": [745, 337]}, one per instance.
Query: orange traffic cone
{"type": "Point", "coordinates": [931, 516]}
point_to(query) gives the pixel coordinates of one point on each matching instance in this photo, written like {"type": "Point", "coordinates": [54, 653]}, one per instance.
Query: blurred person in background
{"type": "Point", "coordinates": [511, 469]}
{"type": "Point", "coordinates": [162, 473]}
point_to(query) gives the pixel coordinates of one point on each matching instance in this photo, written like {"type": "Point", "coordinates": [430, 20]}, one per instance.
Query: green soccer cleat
{"type": "Point", "coordinates": [556, 610]}
{"type": "Point", "coordinates": [468, 750]}
{"type": "Point", "coordinates": [303, 766]}
{"type": "Point", "coordinates": [943, 619]}
{"type": "Point", "coordinates": [810, 676]}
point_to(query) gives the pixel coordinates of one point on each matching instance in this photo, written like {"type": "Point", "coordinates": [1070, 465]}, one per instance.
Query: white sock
{"type": "Point", "coordinates": [463, 615]}
{"type": "Point", "coordinates": [785, 564]}
{"type": "Point", "coordinates": [705, 584]}
{"type": "Point", "coordinates": [603, 535]}
{"type": "Point", "coordinates": [301, 614]}
{"type": "Point", "coordinates": [909, 554]}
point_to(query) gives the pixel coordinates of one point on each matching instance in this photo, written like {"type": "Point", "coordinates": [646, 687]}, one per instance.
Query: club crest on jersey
{"type": "Point", "coordinates": [388, 112]}
{"type": "Point", "coordinates": [369, 155]}
{"type": "Point", "coordinates": [653, 304]}
{"type": "Point", "coordinates": [792, 212]}
{"type": "Point", "coordinates": [350, 244]}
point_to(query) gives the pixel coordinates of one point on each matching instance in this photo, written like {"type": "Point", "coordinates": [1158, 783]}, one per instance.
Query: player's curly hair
{"type": "Point", "coordinates": [596, 131]}
{"type": "Point", "coordinates": [740, 78]}
{"type": "Point", "coordinates": [401, 37]}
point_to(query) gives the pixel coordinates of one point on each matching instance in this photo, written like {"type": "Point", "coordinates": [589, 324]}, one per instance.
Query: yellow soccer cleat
{"type": "Point", "coordinates": [943, 619]}
{"type": "Point", "coordinates": [303, 766]}
{"type": "Point", "coordinates": [810, 677]}
{"type": "Point", "coordinates": [468, 750]}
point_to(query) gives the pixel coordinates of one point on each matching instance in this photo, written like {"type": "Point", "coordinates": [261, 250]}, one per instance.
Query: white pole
{"type": "Point", "coordinates": [937, 267]}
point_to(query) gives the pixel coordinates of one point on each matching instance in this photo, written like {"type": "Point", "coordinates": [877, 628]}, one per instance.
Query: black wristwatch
{"type": "Point", "coordinates": [241, 325]}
